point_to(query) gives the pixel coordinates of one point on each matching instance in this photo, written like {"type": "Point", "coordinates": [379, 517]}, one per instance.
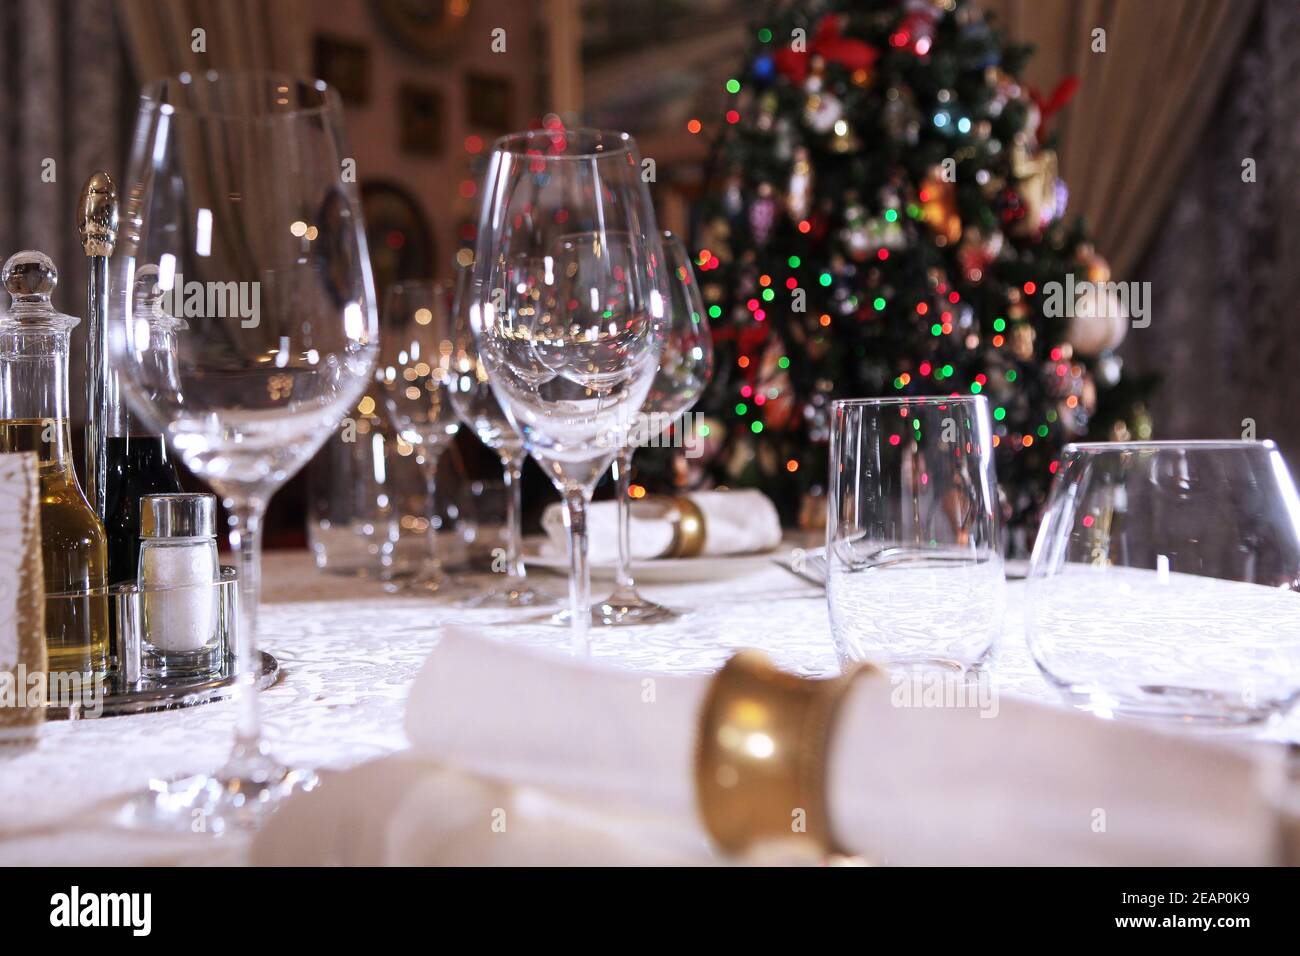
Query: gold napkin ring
{"type": "Point", "coordinates": [688, 529]}
{"type": "Point", "coordinates": [760, 760]}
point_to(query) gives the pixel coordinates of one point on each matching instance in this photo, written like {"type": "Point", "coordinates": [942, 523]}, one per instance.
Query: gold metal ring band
{"type": "Point", "coordinates": [688, 529]}
{"type": "Point", "coordinates": [760, 761]}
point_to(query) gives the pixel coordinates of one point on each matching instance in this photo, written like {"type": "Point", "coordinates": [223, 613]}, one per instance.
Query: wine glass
{"type": "Point", "coordinates": [1164, 582]}
{"type": "Point", "coordinates": [415, 369]}
{"type": "Point", "coordinates": [914, 576]}
{"type": "Point", "coordinates": [239, 204]}
{"type": "Point", "coordinates": [685, 367]}
{"type": "Point", "coordinates": [568, 310]}
{"type": "Point", "coordinates": [479, 409]}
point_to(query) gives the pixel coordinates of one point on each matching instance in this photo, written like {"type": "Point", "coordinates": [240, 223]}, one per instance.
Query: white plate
{"type": "Point", "coordinates": [658, 571]}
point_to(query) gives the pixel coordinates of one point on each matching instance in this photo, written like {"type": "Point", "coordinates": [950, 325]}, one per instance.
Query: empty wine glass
{"type": "Point", "coordinates": [479, 409]}
{"type": "Point", "coordinates": [1164, 580]}
{"type": "Point", "coordinates": [238, 204]}
{"type": "Point", "coordinates": [914, 575]}
{"type": "Point", "coordinates": [685, 367]}
{"type": "Point", "coordinates": [568, 308]}
{"type": "Point", "coordinates": [415, 368]}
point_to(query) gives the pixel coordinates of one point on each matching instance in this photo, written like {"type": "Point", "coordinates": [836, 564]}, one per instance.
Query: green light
{"type": "Point", "coordinates": [794, 262]}
{"type": "Point", "coordinates": [765, 35]}
{"type": "Point", "coordinates": [879, 304]}
{"type": "Point", "coordinates": [999, 325]}
{"type": "Point", "coordinates": [733, 85]}
{"type": "Point", "coordinates": [891, 215]}
{"type": "Point", "coordinates": [715, 311]}
{"type": "Point", "coordinates": [825, 278]}
{"type": "Point", "coordinates": [914, 210]}
{"type": "Point", "coordinates": [755, 427]}
{"type": "Point", "coordinates": [946, 371]}
{"type": "Point", "coordinates": [898, 383]}
{"type": "Point", "coordinates": [916, 423]}
{"type": "Point", "coordinates": [976, 388]}
{"type": "Point", "coordinates": [783, 361]}
{"type": "Point", "coordinates": [1042, 431]}
{"type": "Point", "coordinates": [741, 408]}
{"type": "Point", "coordinates": [704, 431]}
{"type": "Point", "coordinates": [768, 295]}
{"type": "Point", "coordinates": [1051, 415]}
{"type": "Point", "coordinates": [936, 329]}
{"type": "Point", "coordinates": [1011, 375]}
{"type": "Point", "coordinates": [999, 413]}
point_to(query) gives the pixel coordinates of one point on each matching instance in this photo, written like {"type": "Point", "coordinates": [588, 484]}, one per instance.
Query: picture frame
{"type": "Point", "coordinates": [489, 102]}
{"type": "Point", "coordinates": [421, 119]}
{"type": "Point", "coordinates": [345, 65]}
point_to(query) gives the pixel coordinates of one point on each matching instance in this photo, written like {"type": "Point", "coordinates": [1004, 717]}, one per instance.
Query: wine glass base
{"type": "Point", "coordinates": [622, 610]}
{"type": "Point", "coordinates": [222, 803]}
{"type": "Point", "coordinates": [509, 597]}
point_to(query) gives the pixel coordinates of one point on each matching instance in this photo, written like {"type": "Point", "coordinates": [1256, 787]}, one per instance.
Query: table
{"type": "Point", "coordinates": [348, 653]}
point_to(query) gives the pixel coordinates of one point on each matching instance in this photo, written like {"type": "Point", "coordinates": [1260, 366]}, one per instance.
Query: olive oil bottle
{"type": "Point", "coordinates": [34, 418]}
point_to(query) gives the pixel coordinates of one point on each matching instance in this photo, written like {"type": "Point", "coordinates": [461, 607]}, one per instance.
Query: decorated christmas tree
{"type": "Point", "coordinates": [884, 215]}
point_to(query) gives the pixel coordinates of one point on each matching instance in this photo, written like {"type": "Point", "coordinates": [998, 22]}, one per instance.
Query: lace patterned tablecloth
{"type": "Point", "coordinates": [348, 653]}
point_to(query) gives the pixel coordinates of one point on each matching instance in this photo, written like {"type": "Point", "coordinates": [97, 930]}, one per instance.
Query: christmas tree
{"type": "Point", "coordinates": [884, 215]}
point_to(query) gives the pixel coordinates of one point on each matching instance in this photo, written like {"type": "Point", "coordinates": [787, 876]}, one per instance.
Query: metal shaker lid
{"type": "Point", "coordinates": [178, 516]}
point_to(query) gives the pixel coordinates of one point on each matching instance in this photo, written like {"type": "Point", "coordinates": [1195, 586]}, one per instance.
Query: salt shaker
{"type": "Point", "coordinates": [179, 626]}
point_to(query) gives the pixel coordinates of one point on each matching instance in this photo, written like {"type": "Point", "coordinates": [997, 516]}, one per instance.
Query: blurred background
{"type": "Point", "coordinates": [1152, 144]}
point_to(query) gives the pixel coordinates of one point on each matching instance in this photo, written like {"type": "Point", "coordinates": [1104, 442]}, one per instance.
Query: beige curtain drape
{"type": "Point", "coordinates": [239, 34]}
{"type": "Point", "coordinates": [1141, 104]}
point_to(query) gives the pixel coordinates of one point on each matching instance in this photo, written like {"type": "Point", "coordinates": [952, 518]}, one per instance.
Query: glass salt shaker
{"type": "Point", "coordinates": [180, 633]}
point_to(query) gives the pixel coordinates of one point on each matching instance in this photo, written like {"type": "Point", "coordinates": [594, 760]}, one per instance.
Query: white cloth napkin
{"type": "Point", "coordinates": [1032, 785]}
{"type": "Point", "coordinates": [735, 522]}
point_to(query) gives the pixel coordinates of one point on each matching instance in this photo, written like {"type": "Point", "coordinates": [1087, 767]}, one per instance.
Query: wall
{"type": "Point", "coordinates": [374, 128]}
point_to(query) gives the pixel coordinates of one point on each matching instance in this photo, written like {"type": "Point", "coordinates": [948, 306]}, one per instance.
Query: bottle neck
{"type": "Point", "coordinates": [34, 389]}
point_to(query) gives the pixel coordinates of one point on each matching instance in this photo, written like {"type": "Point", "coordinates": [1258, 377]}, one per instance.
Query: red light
{"type": "Point", "coordinates": [922, 308]}
{"type": "Point", "coordinates": [805, 226]}
{"type": "Point", "coordinates": [694, 126]}
{"type": "Point", "coordinates": [473, 144]}
{"type": "Point", "coordinates": [792, 283]}
{"type": "Point", "coordinates": [894, 439]}
{"type": "Point", "coordinates": [1087, 519]}
{"type": "Point", "coordinates": [1030, 288]}
{"type": "Point", "coordinates": [882, 254]}
{"type": "Point", "coordinates": [733, 117]}
{"type": "Point", "coordinates": [925, 368]}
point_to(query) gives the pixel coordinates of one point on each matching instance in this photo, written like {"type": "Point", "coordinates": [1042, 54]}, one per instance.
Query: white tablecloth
{"type": "Point", "coordinates": [348, 653]}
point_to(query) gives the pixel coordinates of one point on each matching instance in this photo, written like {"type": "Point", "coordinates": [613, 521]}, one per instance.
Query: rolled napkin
{"type": "Point", "coordinates": [906, 785]}
{"type": "Point", "coordinates": [732, 522]}
{"type": "Point", "coordinates": [22, 596]}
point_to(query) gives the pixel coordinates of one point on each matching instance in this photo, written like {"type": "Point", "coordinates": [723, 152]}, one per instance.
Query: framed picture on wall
{"type": "Point", "coordinates": [427, 29]}
{"type": "Point", "coordinates": [489, 102]}
{"type": "Point", "coordinates": [421, 119]}
{"type": "Point", "coordinates": [398, 235]}
{"type": "Point", "coordinates": [344, 65]}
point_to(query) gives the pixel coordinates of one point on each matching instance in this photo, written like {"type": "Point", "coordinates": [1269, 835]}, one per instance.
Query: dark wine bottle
{"type": "Point", "coordinates": [138, 465]}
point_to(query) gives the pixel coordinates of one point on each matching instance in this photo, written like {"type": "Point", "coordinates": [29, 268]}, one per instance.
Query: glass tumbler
{"type": "Point", "coordinates": [1164, 579]}
{"type": "Point", "coordinates": [914, 573]}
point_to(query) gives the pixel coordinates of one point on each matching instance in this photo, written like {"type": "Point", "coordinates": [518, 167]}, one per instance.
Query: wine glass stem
{"type": "Point", "coordinates": [429, 461]}
{"type": "Point", "coordinates": [512, 475]}
{"type": "Point", "coordinates": [575, 517]}
{"type": "Point", "coordinates": [623, 477]}
{"type": "Point", "coordinates": [246, 543]}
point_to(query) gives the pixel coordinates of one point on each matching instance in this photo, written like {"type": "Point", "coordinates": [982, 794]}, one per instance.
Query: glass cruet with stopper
{"type": "Point", "coordinates": [138, 462]}
{"type": "Point", "coordinates": [34, 342]}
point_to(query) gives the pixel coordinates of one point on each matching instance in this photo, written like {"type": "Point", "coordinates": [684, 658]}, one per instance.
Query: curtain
{"type": "Point", "coordinates": [1141, 104]}
{"type": "Point", "coordinates": [1223, 266]}
{"type": "Point", "coordinates": [238, 34]}
{"type": "Point", "coordinates": [63, 74]}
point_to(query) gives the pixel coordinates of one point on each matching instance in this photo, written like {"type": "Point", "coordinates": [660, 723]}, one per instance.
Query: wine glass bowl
{"type": "Point", "coordinates": [1164, 582]}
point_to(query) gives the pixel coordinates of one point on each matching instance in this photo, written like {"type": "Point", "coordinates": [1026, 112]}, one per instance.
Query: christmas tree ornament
{"type": "Point", "coordinates": [828, 44]}
{"type": "Point", "coordinates": [939, 206]}
{"type": "Point", "coordinates": [799, 193]}
{"type": "Point", "coordinates": [1022, 341]}
{"type": "Point", "coordinates": [734, 193]}
{"type": "Point", "coordinates": [762, 214]}
{"type": "Point", "coordinates": [900, 117]}
{"type": "Point", "coordinates": [1036, 185]}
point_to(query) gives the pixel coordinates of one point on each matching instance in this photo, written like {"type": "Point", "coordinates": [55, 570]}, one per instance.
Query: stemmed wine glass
{"type": "Point", "coordinates": [568, 310]}
{"type": "Point", "coordinates": [479, 409]}
{"type": "Point", "coordinates": [685, 367]}
{"type": "Point", "coordinates": [415, 369]}
{"type": "Point", "coordinates": [238, 199]}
